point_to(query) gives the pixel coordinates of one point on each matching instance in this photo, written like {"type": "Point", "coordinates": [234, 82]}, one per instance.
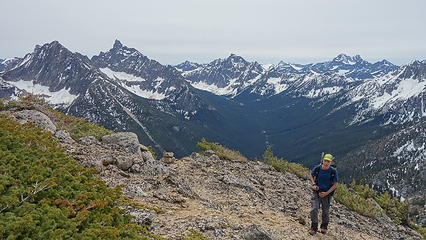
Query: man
{"type": "Point", "coordinates": [324, 179]}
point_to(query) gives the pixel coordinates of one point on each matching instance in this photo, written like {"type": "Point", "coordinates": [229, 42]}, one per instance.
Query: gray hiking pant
{"type": "Point", "coordinates": [316, 203]}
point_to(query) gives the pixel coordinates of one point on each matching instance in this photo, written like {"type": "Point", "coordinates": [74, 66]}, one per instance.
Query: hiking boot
{"type": "Point", "coordinates": [323, 230]}
{"type": "Point", "coordinates": [312, 231]}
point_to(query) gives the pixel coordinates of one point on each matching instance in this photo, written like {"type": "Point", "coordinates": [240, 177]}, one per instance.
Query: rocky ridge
{"type": "Point", "coordinates": [223, 199]}
{"type": "Point", "coordinates": [148, 78]}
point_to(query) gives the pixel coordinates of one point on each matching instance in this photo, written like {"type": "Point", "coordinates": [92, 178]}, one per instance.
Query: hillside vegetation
{"type": "Point", "coordinates": [44, 194]}
{"type": "Point", "coordinates": [77, 127]}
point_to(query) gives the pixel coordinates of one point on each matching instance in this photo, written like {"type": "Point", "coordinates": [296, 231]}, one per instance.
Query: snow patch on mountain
{"type": "Point", "coordinates": [406, 89]}
{"type": "Point", "coordinates": [62, 97]}
{"type": "Point", "coordinates": [296, 67]}
{"type": "Point", "coordinates": [314, 93]}
{"type": "Point", "coordinates": [149, 94]}
{"type": "Point", "coordinates": [267, 66]}
{"type": "Point", "coordinates": [406, 147]}
{"type": "Point", "coordinates": [121, 75]}
{"type": "Point", "coordinates": [129, 82]}
{"type": "Point", "coordinates": [228, 90]}
{"type": "Point", "coordinates": [277, 84]}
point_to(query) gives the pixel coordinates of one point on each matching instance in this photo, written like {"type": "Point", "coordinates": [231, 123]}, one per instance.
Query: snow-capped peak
{"type": "Point", "coordinates": [236, 60]}
{"type": "Point", "coordinates": [345, 59]}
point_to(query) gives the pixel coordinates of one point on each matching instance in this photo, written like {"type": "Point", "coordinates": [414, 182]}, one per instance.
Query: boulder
{"type": "Point", "coordinates": [168, 158]}
{"type": "Point", "coordinates": [89, 140]}
{"type": "Point", "coordinates": [214, 157]}
{"type": "Point", "coordinates": [147, 157]}
{"type": "Point", "coordinates": [142, 216]}
{"type": "Point", "coordinates": [233, 180]}
{"type": "Point", "coordinates": [124, 162]}
{"type": "Point", "coordinates": [255, 232]}
{"type": "Point", "coordinates": [37, 118]}
{"type": "Point", "coordinates": [209, 152]}
{"type": "Point", "coordinates": [106, 159]}
{"type": "Point", "coordinates": [147, 164]}
{"type": "Point", "coordinates": [123, 141]}
{"type": "Point", "coordinates": [63, 136]}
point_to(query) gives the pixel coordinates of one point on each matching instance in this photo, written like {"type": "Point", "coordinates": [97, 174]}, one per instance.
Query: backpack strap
{"type": "Point", "coordinates": [316, 172]}
{"type": "Point", "coordinates": [333, 172]}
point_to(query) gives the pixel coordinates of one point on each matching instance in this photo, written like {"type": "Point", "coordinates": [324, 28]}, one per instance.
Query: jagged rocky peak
{"type": "Point", "coordinates": [236, 62]}
{"type": "Point", "coordinates": [291, 67]}
{"type": "Point", "coordinates": [122, 49]}
{"type": "Point", "coordinates": [54, 72]}
{"type": "Point", "coordinates": [52, 53]}
{"type": "Point", "coordinates": [51, 49]}
{"type": "Point", "coordinates": [235, 58]}
{"type": "Point", "coordinates": [120, 57]}
{"type": "Point", "coordinates": [117, 44]}
{"type": "Point", "coordinates": [357, 57]}
{"type": "Point", "coordinates": [346, 59]}
{"type": "Point", "coordinates": [187, 66]}
{"type": "Point", "coordinates": [385, 63]}
{"type": "Point", "coordinates": [415, 70]}
{"type": "Point", "coordinates": [282, 63]}
{"type": "Point", "coordinates": [46, 62]}
{"type": "Point", "coordinates": [119, 48]}
{"type": "Point", "coordinates": [230, 62]}
{"type": "Point", "coordinates": [48, 49]}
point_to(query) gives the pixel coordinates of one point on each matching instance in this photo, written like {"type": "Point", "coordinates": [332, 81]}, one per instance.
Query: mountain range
{"type": "Point", "coordinates": [346, 106]}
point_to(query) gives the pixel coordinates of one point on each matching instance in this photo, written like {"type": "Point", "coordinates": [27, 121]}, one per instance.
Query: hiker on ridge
{"type": "Point", "coordinates": [324, 179]}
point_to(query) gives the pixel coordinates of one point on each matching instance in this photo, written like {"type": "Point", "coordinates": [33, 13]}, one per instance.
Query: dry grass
{"type": "Point", "coordinates": [220, 151]}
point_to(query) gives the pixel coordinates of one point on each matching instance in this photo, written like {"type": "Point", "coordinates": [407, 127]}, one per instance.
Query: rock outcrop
{"type": "Point", "coordinates": [227, 199]}
{"type": "Point", "coordinates": [38, 118]}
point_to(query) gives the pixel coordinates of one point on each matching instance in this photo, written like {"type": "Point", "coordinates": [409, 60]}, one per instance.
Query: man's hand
{"type": "Point", "coordinates": [322, 194]}
{"type": "Point", "coordinates": [314, 187]}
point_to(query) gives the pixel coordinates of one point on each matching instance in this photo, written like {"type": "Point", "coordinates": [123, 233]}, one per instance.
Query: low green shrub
{"type": "Point", "coordinates": [419, 229]}
{"type": "Point", "coordinates": [78, 127]}
{"type": "Point", "coordinates": [283, 165]}
{"type": "Point", "coordinates": [44, 194]}
{"type": "Point", "coordinates": [355, 202]}
{"type": "Point", "coordinates": [221, 151]}
{"type": "Point", "coordinates": [8, 105]}
{"type": "Point", "coordinates": [396, 209]}
{"type": "Point", "coordinates": [152, 151]}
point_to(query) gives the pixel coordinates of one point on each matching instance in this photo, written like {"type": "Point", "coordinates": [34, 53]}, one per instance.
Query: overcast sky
{"type": "Point", "coordinates": [266, 31]}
